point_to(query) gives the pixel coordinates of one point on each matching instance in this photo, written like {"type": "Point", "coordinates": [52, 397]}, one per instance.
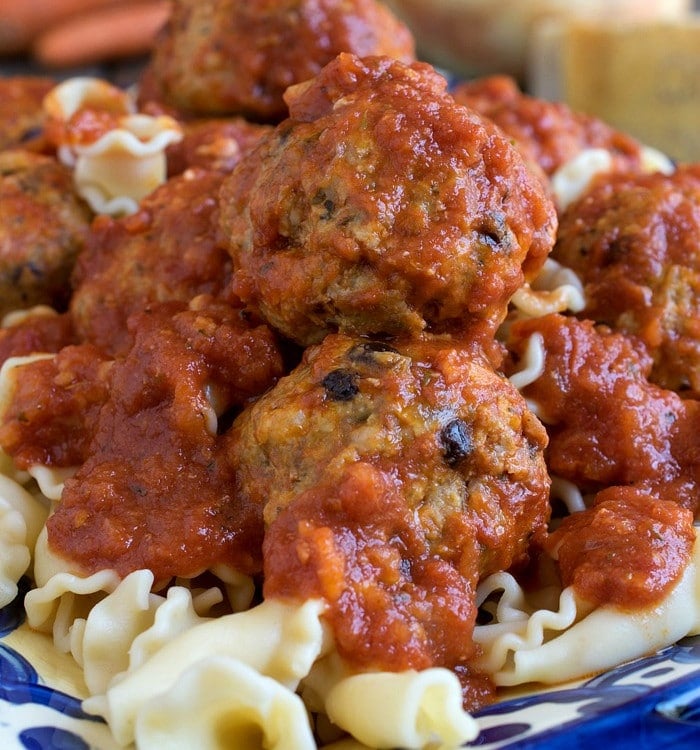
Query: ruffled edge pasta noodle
{"type": "Point", "coordinates": [123, 165]}
{"type": "Point", "coordinates": [529, 642]}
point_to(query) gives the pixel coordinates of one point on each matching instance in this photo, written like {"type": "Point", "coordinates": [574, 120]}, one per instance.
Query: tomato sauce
{"type": "Point", "coordinates": [155, 489]}
{"type": "Point", "coordinates": [392, 603]}
{"type": "Point", "coordinates": [628, 549]}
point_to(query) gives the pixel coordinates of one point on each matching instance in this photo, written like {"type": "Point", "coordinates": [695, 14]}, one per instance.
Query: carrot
{"type": "Point", "coordinates": [21, 21]}
{"type": "Point", "coordinates": [110, 32]}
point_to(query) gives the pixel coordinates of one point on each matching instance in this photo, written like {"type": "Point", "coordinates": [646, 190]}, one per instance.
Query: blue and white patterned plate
{"type": "Point", "coordinates": [648, 704]}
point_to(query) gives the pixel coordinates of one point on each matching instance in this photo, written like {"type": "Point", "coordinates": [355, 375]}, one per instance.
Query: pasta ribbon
{"type": "Point", "coordinates": [221, 703]}
{"type": "Point", "coordinates": [120, 166]}
{"type": "Point", "coordinates": [21, 519]}
{"type": "Point", "coordinates": [278, 640]}
{"type": "Point", "coordinates": [523, 645]}
{"type": "Point", "coordinates": [403, 709]}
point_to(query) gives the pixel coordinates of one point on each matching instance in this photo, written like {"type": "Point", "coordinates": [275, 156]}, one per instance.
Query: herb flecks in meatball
{"type": "Point", "coordinates": [382, 207]}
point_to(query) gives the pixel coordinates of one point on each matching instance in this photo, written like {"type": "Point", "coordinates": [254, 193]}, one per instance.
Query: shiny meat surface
{"type": "Point", "coordinates": [43, 226]}
{"type": "Point", "coordinates": [238, 57]}
{"type": "Point", "coordinates": [381, 206]}
{"type": "Point", "coordinates": [548, 133]}
{"type": "Point", "coordinates": [393, 476]}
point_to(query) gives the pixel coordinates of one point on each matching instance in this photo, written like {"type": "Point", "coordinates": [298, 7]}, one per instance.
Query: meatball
{"type": "Point", "coordinates": [635, 242]}
{"type": "Point", "coordinates": [22, 116]}
{"type": "Point", "coordinates": [238, 57]}
{"type": "Point", "coordinates": [214, 144]}
{"type": "Point", "coordinates": [393, 477]}
{"type": "Point", "coordinates": [43, 224]}
{"type": "Point", "coordinates": [548, 133]}
{"type": "Point", "coordinates": [381, 206]}
{"type": "Point", "coordinates": [167, 251]}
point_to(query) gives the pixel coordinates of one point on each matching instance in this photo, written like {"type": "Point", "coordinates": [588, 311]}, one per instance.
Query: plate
{"type": "Point", "coordinates": [646, 704]}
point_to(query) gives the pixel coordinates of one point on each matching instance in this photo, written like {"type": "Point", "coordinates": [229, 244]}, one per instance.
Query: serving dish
{"type": "Point", "coordinates": [646, 704]}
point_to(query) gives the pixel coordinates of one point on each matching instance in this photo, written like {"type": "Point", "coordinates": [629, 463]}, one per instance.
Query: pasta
{"type": "Point", "coordinates": [21, 518]}
{"type": "Point", "coordinates": [221, 703]}
{"type": "Point", "coordinates": [275, 641]}
{"type": "Point", "coordinates": [536, 645]}
{"type": "Point", "coordinates": [392, 709]}
{"type": "Point", "coordinates": [125, 163]}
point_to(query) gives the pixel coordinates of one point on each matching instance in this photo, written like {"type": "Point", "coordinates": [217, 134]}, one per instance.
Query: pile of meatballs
{"type": "Point", "coordinates": [333, 256]}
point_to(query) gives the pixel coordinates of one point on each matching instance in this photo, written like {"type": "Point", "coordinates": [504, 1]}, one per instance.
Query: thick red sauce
{"type": "Point", "coordinates": [634, 443]}
{"type": "Point", "coordinates": [155, 489]}
{"type": "Point", "coordinates": [37, 333]}
{"type": "Point", "coordinates": [629, 549]}
{"type": "Point", "coordinates": [51, 416]}
{"type": "Point", "coordinates": [392, 605]}
{"type": "Point", "coordinates": [607, 424]}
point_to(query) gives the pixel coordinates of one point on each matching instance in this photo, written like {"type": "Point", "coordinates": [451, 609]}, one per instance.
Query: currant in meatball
{"type": "Point", "coordinates": [393, 477]}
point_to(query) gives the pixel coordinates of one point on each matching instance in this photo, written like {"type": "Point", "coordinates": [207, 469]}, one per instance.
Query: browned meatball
{"type": "Point", "coordinates": [43, 224]}
{"type": "Point", "coordinates": [635, 243]}
{"type": "Point", "coordinates": [548, 133]}
{"type": "Point", "coordinates": [238, 57]}
{"type": "Point", "coordinates": [167, 251]}
{"type": "Point", "coordinates": [22, 115]}
{"type": "Point", "coordinates": [393, 478]}
{"type": "Point", "coordinates": [381, 206]}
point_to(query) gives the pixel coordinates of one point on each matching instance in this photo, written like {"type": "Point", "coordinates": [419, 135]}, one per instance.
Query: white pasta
{"type": "Point", "coordinates": [21, 519]}
{"type": "Point", "coordinates": [101, 643]}
{"type": "Point", "coordinates": [126, 163]}
{"type": "Point", "coordinates": [537, 646]}
{"type": "Point", "coordinates": [572, 179]}
{"type": "Point", "coordinates": [413, 709]}
{"type": "Point", "coordinates": [221, 703]}
{"type": "Point", "coordinates": [532, 366]}
{"type": "Point", "coordinates": [73, 94]}
{"type": "Point", "coordinates": [115, 172]}
{"type": "Point", "coordinates": [62, 595]}
{"type": "Point", "coordinates": [410, 709]}
{"type": "Point", "coordinates": [240, 588]}
{"type": "Point", "coordinates": [568, 493]}
{"type": "Point", "coordinates": [15, 317]}
{"type": "Point", "coordinates": [51, 479]}
{"type": "Point", "coordinates": [555, 289]}
{"type": "Point", "coordinates": [280, 641]}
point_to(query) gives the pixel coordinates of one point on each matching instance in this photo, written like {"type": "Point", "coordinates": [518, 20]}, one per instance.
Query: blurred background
{"type": "Point", "coordinates": [634, 63]}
